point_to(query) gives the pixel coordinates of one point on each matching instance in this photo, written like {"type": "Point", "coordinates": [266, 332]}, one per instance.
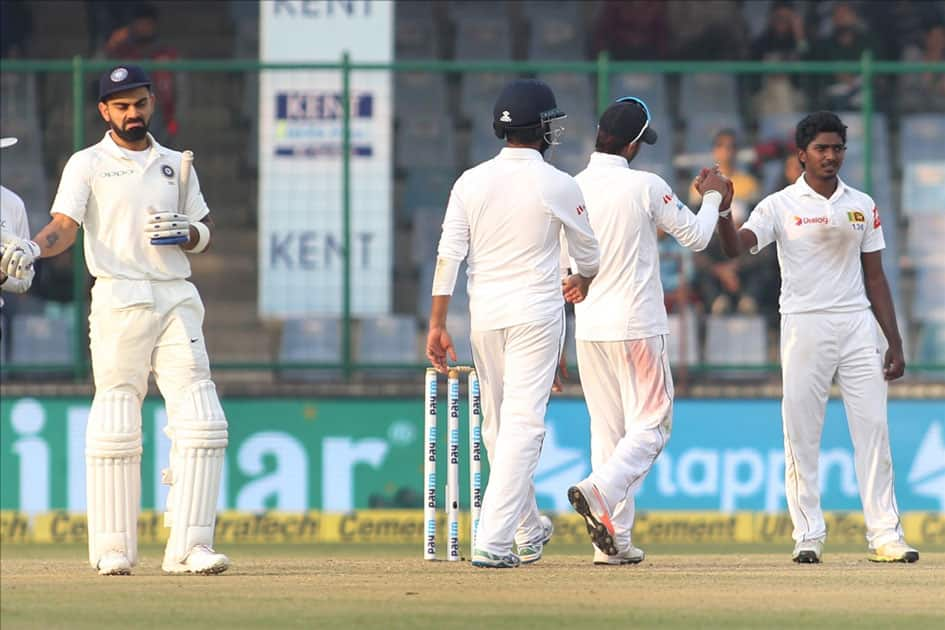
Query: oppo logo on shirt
{"type": "Point", "coordinates": [810, 220]}
{"type": "Point", "coordinates": [115, 173]}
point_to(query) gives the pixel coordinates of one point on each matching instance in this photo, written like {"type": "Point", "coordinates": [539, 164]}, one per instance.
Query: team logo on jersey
{"type": "Point", "coordinates": [118, 75]}
{"type": "Point", "coordinates": [856, 217]}
{"type": "Point", "coordinates": [876, 222]}
{"type": "Point", "coordinates": [581, 210]}
{"type": "Point", "coordinates": [667, 198]}
{"type": "Point", "coordinates": [810, 220]}
{"type": "Point", "coordinates": [167, 171]}
{"type": "Point", "coordinates": [506, 117]}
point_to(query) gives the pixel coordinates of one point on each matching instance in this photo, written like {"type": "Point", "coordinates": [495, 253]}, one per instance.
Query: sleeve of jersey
{"type": "Point", "coordinates": [195, 205]}
{"type": "Point", "coordinates": [761, 223]}
{"type": "Point", "coordinates": [873, 240]}
{"type": "Point", "coordinates": [454, 239]}
{"type": "Point", "coordinates": [564, 261]}
{"type": "Point", "coordinates": [75, 187]}
{"type": "Point", "coordinates": [672, 215]}
{"type": "Point", "coordinates": [582, 245]}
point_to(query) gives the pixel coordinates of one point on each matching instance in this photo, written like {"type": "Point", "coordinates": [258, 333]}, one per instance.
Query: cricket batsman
{"type": "Point", "coordinates": [621, 327]}
{"type": "Point", "coordinates": [833, 293]}
{"type": "Point", "coordinates": [504, 217]}
{"type": "Point", "coordinates": [143, 215]}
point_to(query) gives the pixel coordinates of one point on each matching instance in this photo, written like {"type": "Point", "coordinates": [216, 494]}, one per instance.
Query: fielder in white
{"type": "Point", "coordinates": [504, 217]}
{"type": "Point", "coordinates": [14, 228]}
{"type": "Point", "coordinates": [833, 292]}
{"type": "Point", "coordinates": [140, 224]}
{"type": "Point", "coordinates": [621, 327]}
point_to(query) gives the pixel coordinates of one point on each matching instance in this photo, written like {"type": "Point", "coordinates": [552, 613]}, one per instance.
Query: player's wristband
{"type": "Point", "coordinates": [444, 276]}
{"type": "Point", "coordinates": [725, 213]}
{"type": "Point", "coordinates": [203, 237]}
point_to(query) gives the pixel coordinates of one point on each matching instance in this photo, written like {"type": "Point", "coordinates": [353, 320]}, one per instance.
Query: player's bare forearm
{"type": "Point", "coordinates": [192, 240]}
{"type": "Point", "coordinates": [438, 311]}
{"type": "Point", "coordinates": [734, 242]}
{"type": "Point", "coordinates": [880, 298]}
{"type": "Point", "coordinates": [58, 236]}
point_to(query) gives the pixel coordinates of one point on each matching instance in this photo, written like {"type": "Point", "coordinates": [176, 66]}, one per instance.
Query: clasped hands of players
{"type": "Point", "coordinates": [17, 256]}
{"type": "Point", "coordinates": [713, 179]}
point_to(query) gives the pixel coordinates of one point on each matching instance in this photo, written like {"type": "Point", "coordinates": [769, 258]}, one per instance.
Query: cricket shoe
{"type": "Point", "coordinates": [896, 551]}
{"type": "Point", "coordinates": [632, 555]}
{"type": "Point", "coordinates": [531, 552]}
{"type": "Point", "coordinates": [589, 502]}
{"type": "Point", "coordinates": [114, 563]}
{"type": "Point", "coordinates": [202, 560]}
{"type": "Point", "coordinates": [486, 560]}
{"type": "Point", "coordinates": [808, 551]}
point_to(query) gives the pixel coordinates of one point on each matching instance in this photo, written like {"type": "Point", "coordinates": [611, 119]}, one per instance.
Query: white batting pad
{"type": "Point", "coordinates": [198, 443]}
{"type": "Point", "coordinates": [113, 474]}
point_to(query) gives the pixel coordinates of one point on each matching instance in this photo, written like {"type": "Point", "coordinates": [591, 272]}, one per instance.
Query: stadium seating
{"type": "Point", "coordinates": [649, 87]}
{"type": "Point", "coordinates": [923, 184]}
{"type": "Point", "coordinates": [387, 339]}
{"type": "Point", "coordinates": [41, 338]}
{"type": "Point", "coordinates": [555, 38]}
{"type": "Point", "coordinates": [315, 340]}
{"type": "Point", "coordinates": [426, 142]}
{"type": "Point", "coordinates": [708, 92]}
{"type": "Point", "coordinates": [478, 92]}
{"type": "Point", "coordinates": [457, 324]}
{"type": "Point", "coordinates": [924, 239]}
{"type": "Point", "coordinates": [415, 32]}
{"type": "Point", "coordinates": [575, 97]}
{"type": "Point", "coordinates": [735, 340]}
{"type": "Point", "coordinates": [426, 189]}
{"type": "Point", "coordinates": [922, 137]}
{"type": "Point", "coordinates": [459, 302]}
{"type": "Point", "coordinates": [483, 38]}
{"type": "Point", "coordinates": [701, 128]}
{"type": "Point", "coordinates": [419, 94]}
{"type": "Point", "coordinates": [683, 338]}
{"type": "Point", "coordinates": [929, 304]}
{"type": "Point", "coordinates": [931, 344]}
{"type": "Point", "coordinates": [425, 234]}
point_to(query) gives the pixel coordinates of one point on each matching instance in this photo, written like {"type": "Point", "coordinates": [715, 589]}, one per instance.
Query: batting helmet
{"type": "Point", "coordinates": [524, 104]}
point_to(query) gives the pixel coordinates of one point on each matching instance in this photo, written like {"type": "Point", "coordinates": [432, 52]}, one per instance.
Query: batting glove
{"type": "Point", "coordinates": [167, 228]}
{"type": "Point", "coordinates": [18, 255]}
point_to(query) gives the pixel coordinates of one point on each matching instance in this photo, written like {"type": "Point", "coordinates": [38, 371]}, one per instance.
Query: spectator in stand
{"type": "Point", "coordinates": [782, 40]}
{"type": "Point", "coordinates": [723, 287]}
{"type": "Point", "coordinates": [634, 30]}
{"type": "Point", "coordinates": [846, 42]}
{"type": "Point", "coordinates": [925, 92]}
{"type": "Point", "coordinates": [138, 39]}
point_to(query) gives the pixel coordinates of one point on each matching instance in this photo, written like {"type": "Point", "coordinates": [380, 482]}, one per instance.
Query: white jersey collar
{"type": "Point", "coordinates": [803, 189]}
{"type": "Point", "coordinates": [608, 159]}
{"type": "Point", "coordinates": [109, 144]}
{"type": "Point", "coordinates": [516, 153]}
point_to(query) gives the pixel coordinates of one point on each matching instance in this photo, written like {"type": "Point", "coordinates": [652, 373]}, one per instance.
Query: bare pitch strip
{"type": "Point", "coordinates": [453, 457]}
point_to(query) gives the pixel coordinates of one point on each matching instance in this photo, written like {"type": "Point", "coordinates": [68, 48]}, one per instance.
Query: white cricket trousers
{"type": "Point", "coordinates": [136, 326]}
{"type": "Point", "coordinates": [516, 368]}
{"type": "Point", "coordinates": [628, 387]}
{"type": "Point", "coordinates": [815, 348]}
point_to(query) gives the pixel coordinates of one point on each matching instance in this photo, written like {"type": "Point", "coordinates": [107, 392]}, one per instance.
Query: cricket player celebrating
{"type": "Point", "coordinates": [621, 327]}
{"type": "Point", "coordinates": [14, 228]}
{"type": "Point", "coordinates": [833, 291]}
{"type": "Point", "coordinates": [142, 216]}
{"type": "Point", "coordinates": [504, 217]}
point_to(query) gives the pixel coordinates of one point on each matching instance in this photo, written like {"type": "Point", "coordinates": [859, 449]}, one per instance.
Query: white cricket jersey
{"type": "Point", "coordinates": [819, 245]}
{"type": "Point", "coordinates": [109, 193]}
{"type": "Point", "coordinates": [504, 217]}
{"type": "Point", "coordinates": [625, 207]}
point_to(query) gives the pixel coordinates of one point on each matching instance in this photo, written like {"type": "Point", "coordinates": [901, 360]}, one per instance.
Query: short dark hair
{"type": "Point", "coordinates": [608, 143]}
{"type": "Point", "coordinates": [527, 135]}
{"type": "Point", "coordinates": [725, 133]}
{"type": "Point", "coordinates": [818, 122]}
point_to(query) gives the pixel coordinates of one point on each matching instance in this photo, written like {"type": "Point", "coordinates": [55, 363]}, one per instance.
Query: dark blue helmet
{"type": "Point", "coordinates": [524, 104]}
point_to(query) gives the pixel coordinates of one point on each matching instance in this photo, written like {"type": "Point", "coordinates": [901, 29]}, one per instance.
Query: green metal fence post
{"type": "Point", "coordinates": [866, 62]}
{"type": "Point", "coordinates": [79, 363]}
{"type": "Point", "coordinates": [346, 210]}
{"type": "Point", "coordinates": [603, 81]}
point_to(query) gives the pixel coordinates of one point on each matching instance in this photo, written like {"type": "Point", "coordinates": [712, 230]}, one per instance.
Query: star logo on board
{"type": "Point", "coordinates": [559, 468]}
{"type": "Point", "coordinates": [927, 475]}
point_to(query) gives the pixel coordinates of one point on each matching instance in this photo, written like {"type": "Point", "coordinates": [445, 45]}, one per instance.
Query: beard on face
{"type": "Point", "coordinates": [131, 135]}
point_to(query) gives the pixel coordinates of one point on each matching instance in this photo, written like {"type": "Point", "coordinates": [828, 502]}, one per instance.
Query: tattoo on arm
{"type": "Point", "coordinates": [52, 239]}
